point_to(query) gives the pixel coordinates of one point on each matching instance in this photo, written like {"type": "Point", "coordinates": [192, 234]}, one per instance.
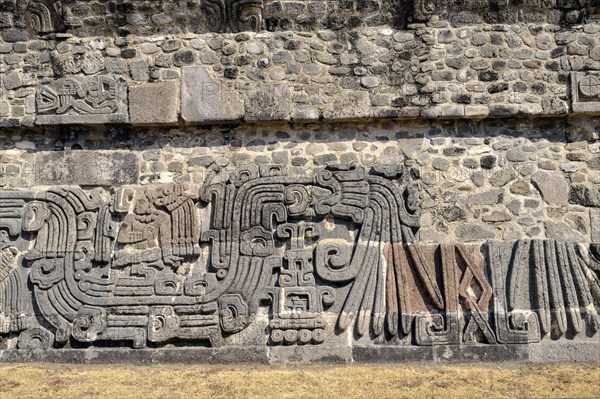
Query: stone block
{"type": "Point", "coordinates": [585, 91]}
{"type": "Point", "coordinates": [12, 81]}
{"type": "Point", "coordinates": [392, 354]}
{"type": "Point", "coordinates": [481, 353]}
{"type": "Point", "coordinates": [87, 100]}
{"type": "Point", "coordinates": [310, 354]}
{"type": "Point", "coordinates": [568, 352]}
{"type": "Point", "coordinates": [552, 186]}
{"type": "Point", "coordinates": [557, 230]}
{"type": "Point", "coordinates": [223, 355]}
{"type": "Point", "coordinates": [268, 102]}
{"type": "Point", "coordinates": [305, 113]}
{"type": "Point", "coordinates": [473, 232]}
{"type": "Point", "coordinates": [453, 110]}
{"type": "Point", "coordinates": [476, 110]}
{"type": "Point", "coordinates": [585, 194]}
{"type": "Point", "coordinates": [595, 222]}
{"type": "Point", "coordinates": [205, 100]}
{"type": "Point", "coordinates": [154, 103]}
{"type": "Point", "coordinates": [411, 147]}
{"type": "Point", "coordinates": [16, 35]}
{"type": "Point", "coordinates": [349, 105]}
{"type": "Point", "coordinates": [86, 168]}
{"type": "Point", "coordinates": [4, 109]}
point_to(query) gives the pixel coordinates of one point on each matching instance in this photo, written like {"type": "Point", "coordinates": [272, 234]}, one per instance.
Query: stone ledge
{"type": "Point", "coordinates": [551, 352]}
{"type": "Point", "coordinates": [224, 355]}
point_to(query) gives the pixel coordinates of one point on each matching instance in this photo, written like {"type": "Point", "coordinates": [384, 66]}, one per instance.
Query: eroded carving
{"type": "Point", "coordinates": [585, 91]}
{"type": "Point", "coordinates": [97, 99]}
{"type": "Point", "coordinates": [317, 254]}
{"type": "Point", "coordinates": [86, 168]}
{"type": "Point", "coordinates": [233, 15]}
{"type": "Point", "coordinates": [542, 287]}
{"type": "Point", "coordinates": [38, 16]}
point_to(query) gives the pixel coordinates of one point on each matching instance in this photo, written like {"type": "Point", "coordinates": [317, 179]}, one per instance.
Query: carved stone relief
{"type": "Point", "coordinates": [86, 168]}
{"type": "Point", "coordinates": [324, 252]}
{"type": "Point", "coordinates": [52, 16]}
{"type": "Point", "coordinates": [39, 16]}
{"type": "Point", "coordinates": [97, 99]}
{"type": "Point", "coordinates": [585, 91]}
{"type": "Point", "coordinates": [233, 15]}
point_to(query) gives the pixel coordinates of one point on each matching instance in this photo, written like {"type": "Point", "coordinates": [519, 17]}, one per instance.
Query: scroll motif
{"type": "Point", "coordinates": [97, 99]}
{"type": "Point", "coordinates": [312, 255]}
{"type": "Point", "coordinates": [233, 15]}
{"type": "Point", "coordinates": [38, 16]}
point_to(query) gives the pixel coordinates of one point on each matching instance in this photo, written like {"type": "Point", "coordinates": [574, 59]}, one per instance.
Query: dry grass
{"type": "Point", "coordinates": [371, 382]}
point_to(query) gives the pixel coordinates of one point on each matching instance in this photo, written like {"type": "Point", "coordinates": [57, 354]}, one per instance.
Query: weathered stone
{"type": "Point", "coordinates": [139, 71]}
{"type": "Point", "coordinates": [349, 105]}
{"type": "Point", "coordinates": [520, 188]}
{"type": "Point", "coordinates": [154, 103]}
{"type": "Point", "coordinates": [560, 231]}
{"type": "Point", "coordinates": [497, 216]}
{"type": "Point", "coordinates": [440, 164]}
{"type": "Point", "coordinates": [454, 213]}
{"type": "Point", "coordinates": [205, 100]}
{"type": "Point", "coordinates": [86, 168]}
{"type": "Point", "coordinates": [317, 238]}
{"type": "Point", "coordinates": [488, 161]}
{"type": "Point", "coordinates": [595, 225]}
{"type": "Point", "coordinates": [487, 198]}
{"type": "Point", "coordinates": [552, 186]}
{"type": "Point", "coordinates": [268, 102]}
{"type": "Point", "coordinates": [515, 156]}
{"type": "Point", "coordinates": [410, 146]}
{"type": "Point", "coordinates": [585, 194]}
{"type": "Point", "coordinates": [15, 35]}
{"type": "Point", "coordinates": [474, 232]}
{"type": "Point", "coordinates": [503, 177]}
{"type": "Point", "coordinates": [584, 92]}
{"type": "Point", "coordinates": [12, 81]}
{"type": "Point", "coordinates": [100, 99]}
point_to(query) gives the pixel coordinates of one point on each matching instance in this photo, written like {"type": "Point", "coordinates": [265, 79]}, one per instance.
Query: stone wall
{"type": "Point", "coordinates": [369, 181]}
{"type": "Point", "coordinates": [425, 71]}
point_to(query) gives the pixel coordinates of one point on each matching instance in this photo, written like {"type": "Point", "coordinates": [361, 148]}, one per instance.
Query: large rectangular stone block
{"type": "Point", "coordinates": [86, 168]}
{"type": "Point", "coordinates": [89, 100]}
{"type": "Point", "coordinates": [349, 105]}
{"type": "Point", "coordinates": [268, 102]}
{"type": "Point", "coordinates": [205, 100]}
{"type": "Point", "coordinates": [154, 103]}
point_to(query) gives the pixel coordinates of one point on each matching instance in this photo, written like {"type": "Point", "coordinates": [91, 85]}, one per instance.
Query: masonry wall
{"type": "Point", "coordinates": [300, 182]}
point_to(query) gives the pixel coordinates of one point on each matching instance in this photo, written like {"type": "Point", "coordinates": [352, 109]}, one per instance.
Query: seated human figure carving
{"type": "Point", "coordinates": [146, 235]}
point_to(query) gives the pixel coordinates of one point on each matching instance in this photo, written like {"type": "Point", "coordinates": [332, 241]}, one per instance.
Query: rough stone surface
{"type": "Point", "coordinates": [552, 186]}
{"type": "Point", "coordinates": [474, 232]}
{"type": "Point", "coordinates": [86, 168]}
{"type": "Point", "coordinates": [154, 103]}
{"type": "Point", "coordinates": [205, 100]}
{"type": "Point", "coordinates": [349, 105]}
{"type": "Point", "coordinates": [560, 231]}
{"type": "Point", "coordinates": [268, 102]}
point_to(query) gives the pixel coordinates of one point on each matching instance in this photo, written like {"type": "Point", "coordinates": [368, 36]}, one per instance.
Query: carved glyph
{"type": "Point", "coordinates": [320, 253]}
{"type": "Point", "coordinates": [95, 99]}
{"type": "Point", "coordinates": [585, 91]}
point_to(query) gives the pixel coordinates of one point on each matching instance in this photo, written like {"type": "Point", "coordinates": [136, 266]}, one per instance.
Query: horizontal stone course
{"type": "Point", "coordinates": [420, 184]}
{"type": "Point", "coordinates": [575, 352]}
{"type": "Point", "coordinates": [382, 73]}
